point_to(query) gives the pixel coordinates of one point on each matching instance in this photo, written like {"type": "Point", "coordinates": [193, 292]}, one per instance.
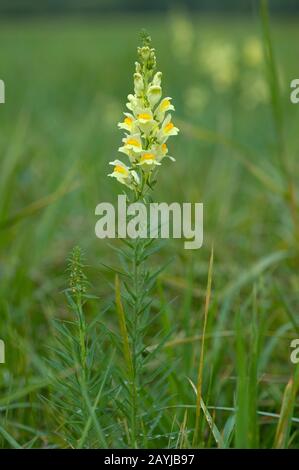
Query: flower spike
{"type": "Point", "coordinates": [148, 124]}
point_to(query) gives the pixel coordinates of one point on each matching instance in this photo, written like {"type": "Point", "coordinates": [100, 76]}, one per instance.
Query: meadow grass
{"type": "Point", "coordinates": [217, 371]}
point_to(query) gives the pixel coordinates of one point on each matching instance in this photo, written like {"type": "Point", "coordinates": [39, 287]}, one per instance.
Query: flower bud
{"type": "Point", "coordinates": [144, 53]}
{"type": "Point", "coordinates": [138, 83]}
{"type": "Point", "coordinates": [138, 67]}
{"type": "Point", "coordinates": [157, 79]}
{"type": "Point", "coordinates": [154, 94]}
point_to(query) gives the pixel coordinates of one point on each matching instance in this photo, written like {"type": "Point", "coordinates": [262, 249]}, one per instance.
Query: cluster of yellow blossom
{"type": "Point", "coordinates": [147, 125]}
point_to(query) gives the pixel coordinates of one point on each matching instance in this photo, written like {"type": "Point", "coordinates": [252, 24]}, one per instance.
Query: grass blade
{"type": "Point", "coordinates": [123, 327]}
{"type": "Point", "coordinates": [287, 409]}
{"type": "Point", "coordinates": [13, 443]}
{"type": "Point", "coordinates": [215, 431]}
{"type": "Point", "coordinates": [201, 360]}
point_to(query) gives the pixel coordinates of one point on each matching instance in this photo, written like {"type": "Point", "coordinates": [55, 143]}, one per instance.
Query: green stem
{"type": "Point", "coordinates": [136, 335]}
{"type": "Point", "coordinates": [82, 338]}
{"type": "Point", "coordinates": [135, 344]}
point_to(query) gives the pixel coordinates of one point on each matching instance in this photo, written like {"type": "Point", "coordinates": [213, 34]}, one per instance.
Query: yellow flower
{"type": "Point", "coordinates": [133, 142]}
{"type": "Point", "coordinates": [128, 121]}
{"type": "Point", "coordinates": [161, 152]}
{"type": "Point", "coordinates": [144, 117]}
{"type": "Point", "coordinates": [124, 174]}
{"type": "Point", "coordinates": [148, 159]}
{"type": "Point", "coordinates": [128, 124]}
{"type": "Point", "coordinates": [132, 146]}
{"type": "Point", "coordinates": [145, 120]}
{"type": "Point", "coordinates": [164, 106]}
{"type": "Point", "coordinates": [168, 129]}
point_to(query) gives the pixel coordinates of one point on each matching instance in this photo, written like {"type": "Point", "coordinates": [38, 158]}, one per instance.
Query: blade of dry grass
{"type": "Point", "coordinates": [215, 431]}
{"type": "Point", "coordinates": [287, 408]}
{"type": "Point", "coordinates": [123, 327]}
{"type": "Point", "coordinates": [201, 360]}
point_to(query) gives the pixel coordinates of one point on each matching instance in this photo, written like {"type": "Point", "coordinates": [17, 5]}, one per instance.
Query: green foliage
{"type": "Point", "coordinates": [77, 394]}
{"type": "Point", "coordinates": [111, 363]}
{"type": "Point", "coordinates": [136, 319]}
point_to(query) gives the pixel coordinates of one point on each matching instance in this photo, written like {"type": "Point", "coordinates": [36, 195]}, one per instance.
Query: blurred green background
{"type": "Point", "coordinates": [31, 7]}
{"type": "Point", "coordinates": [67, 77]}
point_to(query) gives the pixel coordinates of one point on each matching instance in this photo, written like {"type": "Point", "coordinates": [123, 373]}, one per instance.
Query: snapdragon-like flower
{"type": "Point", "coordinates": [124, 174]}
{"type": "Point", "coordinates": [147, 126]}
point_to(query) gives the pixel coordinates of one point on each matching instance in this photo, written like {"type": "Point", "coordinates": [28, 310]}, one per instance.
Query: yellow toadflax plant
{"type": "Point", "coordinates": [147, 126]}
